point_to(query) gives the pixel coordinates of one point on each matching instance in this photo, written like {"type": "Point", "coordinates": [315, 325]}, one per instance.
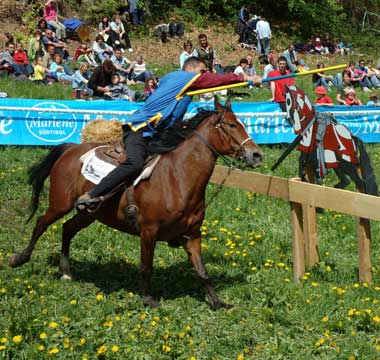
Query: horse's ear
{"type": "Point", "coordinates": [218, 106]}
{"type": "Point", "coordinates": [227, 105]}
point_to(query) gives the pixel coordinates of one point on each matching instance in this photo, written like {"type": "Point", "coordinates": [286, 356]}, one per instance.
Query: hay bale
{"type": "Point", "coordinates": [102, 131]}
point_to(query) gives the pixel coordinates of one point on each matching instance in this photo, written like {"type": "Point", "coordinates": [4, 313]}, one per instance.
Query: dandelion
{"type": "Point", "coordinates": [53, 325]}
{"type": "Point", "coordinates": [17, 339]}
{"type": "Point", "coordinates": [187, 328]}
{"type": "Point", "coordinates": [73, 302]}
{"type": "Point", "coordinates": [99, 297]}
{"type": "Point", "coordinates": [40, 348]}
{"type": "Point", "coordinates": [286, 280]}
{"type": "Point", "coordinates": [153, 323]}
{"type": "Point", "coordinates": [314, 284]}
{"type": "Point", "coordinates": [2, 347]}
{"type": "Point", "coordinates": [240, 357]}
{"type": "Point", "coordinates": [351, 312]}
{"type": "Point", "coordinates": [181, 335]}
{"type": "Point", "coordinates": [43, 335]}
{"type": "Point", "coordinates": [143, 316]}
{"type": "Point", "coordinates": [376, 319]}
{"type": "Point", "coordinates": [115, 348]}
{"type": "Point", "coordinates": [325, 319]}
{"type": "Point", "coordinates": [3, 290]}
{"type": "Point", "coordinates": [328, 268]}
{"type": "Point", "coordinates": [53, 351]}
{"type": "Point", "coordinates": [108, 324]}
{"type": "Point", "coordinates": [3, 340]}
{"type": "Point", "coordinates": [166, 348]}
{"type": "Point", "coordinates": [102, 349]}
{"type": "Point", "coordinates": [320, 342]}
{"type": "Point", "coordinates": [82, 341]}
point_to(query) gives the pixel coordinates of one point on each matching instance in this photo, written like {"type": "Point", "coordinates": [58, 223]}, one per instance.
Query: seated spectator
{"type": "Point", "coordinates": [250, 68]}
{"type": "Point", "coordinates": [161, 31]}
{"type": "Point", "coordinates": [9, 39]}
{"type": "Point", "coordinates": [373, 100]}
{"type": "Point", "coordinates": [351, 98]}
{"type": "Point", "coordinates": [149, 87]}
{"type": "Point", "coordinates": [7, 64]}
{"type": "Point", "coordinates": [109, 36]}
{"type": "Point", "coordinates": [118, 91]}
{"type": "Point", "coordinates": [122, 65]}
{"type": "Point", "coordinates": [8, 57]}
{"type": "Point", "coordinates": [83, 53]}
{"type": "Point", "coordinates": [176, 29]}
{"type": "Point", "coordinates": [43, 26]}
{"type": "Point", "coordinates": [373, 74]}
{"type": "Point", "coordinates": [80, 81]}
{"type": "Point", "coordinates": [40, 72]}
{"type": "Point", "coordinates": [100, 79]}
{"type": "Point", "coordinates": [345, 47]}
{"type": "Point", "coordinates": [328, 43]}
{"type": "Point", "coordinates": [293, 60]}
{"type": "Point", "coordinates": [58, 70]}
{"type": "Point", "coordinates": [321, 79]}
{"type": "Point", "coordinates": [139, 72]}
{"type": "Point", "coordinates": [240, 70]}
{"type": "Point", "coordinates": [188, 51]}
{"type": "Point", "coordinates": [118, 27]}
{"type": "Point", "coordinates": [358, 77]}
{"type": "Point", "coordinates": [35, 46]}
{"type": "Point", "coordinates": [319, 48]}
{"type": "Point", "coordinates": [101, 50]}
{"type": "Point", "coordinates": [60, 46]}
{"type": "Point", "coordinates": [21, 59]}
{"type": "Point", "coordinates": [362, 69]}
{"type": "Point", "coordinates": [342, 87]}
{"type": "Point", "coordinates": [322, 98]}
{"type": "Point", "coordinates": [51, 17]}
{"type": "Point", "coordinates": [272, 65]}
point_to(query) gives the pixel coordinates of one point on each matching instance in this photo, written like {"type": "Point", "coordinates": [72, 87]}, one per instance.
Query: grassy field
{"type": "Point", "coordinates": [247, 251]}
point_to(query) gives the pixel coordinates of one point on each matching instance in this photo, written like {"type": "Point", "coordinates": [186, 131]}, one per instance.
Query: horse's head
{"type": "Point", "coordinates": [233, 139]}
{"type": "Point", "coordinates": [299, 108]}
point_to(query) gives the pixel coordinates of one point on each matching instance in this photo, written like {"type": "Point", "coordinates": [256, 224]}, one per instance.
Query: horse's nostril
{"type": "Point", "coordinates": [257, 155]}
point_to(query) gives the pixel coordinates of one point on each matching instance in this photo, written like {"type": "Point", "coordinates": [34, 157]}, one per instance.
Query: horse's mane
{"type": "Point", "coordinates": [168, 139]}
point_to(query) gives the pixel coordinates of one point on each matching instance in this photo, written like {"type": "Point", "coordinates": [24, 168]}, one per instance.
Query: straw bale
{"type": "Point", "coordinates": [102, 131]}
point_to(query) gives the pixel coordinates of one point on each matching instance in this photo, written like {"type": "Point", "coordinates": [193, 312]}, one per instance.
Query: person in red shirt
{"type": "Point", "coordinates": [351, 98]}
{"type": "Point", "coordinates": [322, 98]}
{"type": "Point", "coordinates": [278, 87]}
{"type": "Point", "coordinates": [21, 59]}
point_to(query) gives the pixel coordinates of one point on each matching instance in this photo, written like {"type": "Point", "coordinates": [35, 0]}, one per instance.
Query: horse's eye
{"type": "Point", "coordinates": [233, 126]}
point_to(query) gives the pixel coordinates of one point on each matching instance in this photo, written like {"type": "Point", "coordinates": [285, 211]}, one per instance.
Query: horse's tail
{"type": "Point", "coordinates": [38, 173]}
{"type": "Point", "coordinates": [368, 174]}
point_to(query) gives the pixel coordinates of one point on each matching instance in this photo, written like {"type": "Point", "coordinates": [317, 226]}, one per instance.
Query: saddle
{"type": "Point", "coordinates": [114, 153]}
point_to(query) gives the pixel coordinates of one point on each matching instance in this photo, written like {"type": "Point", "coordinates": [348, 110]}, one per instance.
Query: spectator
{"type": "Point", "coordinates": [118, 91]}
{"type": "Point", "coordinates": [293, 59]}
{"type": "Point", "coordinates": [272, 65]}
{"type": "Point", "coordinates": [51, 17]}
{"type": "Point", "coordinates": [322, 98]}
{"type": "Point", "coordinates": [121, 63]}
{"type": "Point", "coordinates": [101, 78]}
{"type": "Point", "coordinates": [21, 59]}
{"type": "Point", "coordinates": [83, 53]}
{"type": "Point", "coordinates": [242, 22]}
{"type": "Point", "coordinates": [362, 69]}
{"type": "Point", "coordinates": [139, 72]}
{"type": "Point", "coordinates": [328, 43]}
{"type": "Point", "coordinates": [58, 70]}
{"type": "Point", "coordinates": [250, 68]}
{"type": "Point", "coordinates": [344, 47]}
{"type": "Point", "coordinates": [42, 26]}
{"type": "Point", "coordinates": [176, 29]}
{"type": "Point", "coordinates": [149, 87]}
{"type": "Point", "coordinates": [161, 31]}
{"type": "Point", "coordinates": [240, 70]}
{"type": "Point", "coordinates": [264, 36]}
{"type": "Point", "coordinates": [351, 99]}
{"type": "Point", "coordinates": [101, 50]}
{"type": "Point", "coordinates": [109, 36]}
{"type": "Point", "coordinates": [188, 50]}
{"type": "Point", "coordinates": [40, 71]}
{"type": "Point", "coordinates": [205, 52]}
{"type": "Point", "coordinates": [373, 74]}
{"type": "Point", "coordinates": [81, 78]}
{"type": "Point", "coordinates": [358, 77]}
{"type": "Point", "coordinates": [60, 46]}
{"type": "Point", "coordinates": [373, 100]}
{"type": "Point", "coordinates": [341, 89]}
{"type": "Point", "coordinates": [321, 79]}
{"type": "Point", "coordinates": [319, 48]}
{"type": "Point", "coordinates": [8, 57]}
{"type": "Point", "coordinates": [278, 87]}
{"type": "Point", "coordinates": [118, 27]}
{"type": "Point", "coordinates": [135, 13]}
{"type": "Point", "coordinates": [35, 47]}
{"type": "Point", "coordinates": [9, 39]}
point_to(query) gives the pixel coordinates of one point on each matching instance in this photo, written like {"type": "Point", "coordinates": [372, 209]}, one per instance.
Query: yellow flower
{"type": "Point", "coordinates": [53, 325]}
{"type": "Point", "coordinates": [320, 342]}
{"type": "Point", "coordinates": [2, 347]}
{"type": "Point", "coordinates": [3, 290]}
{"type": "Point", "coordinates": [240, 357]}
{"type": "Point", "coordinates": [3, 340]}
{"type": "Point", "coordinates": [53, 351]}
{"type": "Point", "coordinates": [17, 339]}
{"type": "Point", "coordinates": [376, 319]}
{"type": "Point", "coordinates": [325, 319]}
{"type": "Point", "coordinates": [82, 341]}
{"type": "Point", "coordinates": [102, 349]}
{"type": "Point", "coordinates": [153, 323]}
{"type": "Point", "coordinates": [40, 347]}
{"type": "Point", "coordinates": [73, 302]}
{"type": "Point", "coordinates": [43, 335]}
{"type": "Point", "coordinates": [166, 348]}
{"type": "Point", "coordinates": [108, 324]}
{"type": "Point", "coordinates": [351, 312]}
{"type": "Point", "coordinates": [99, 297]}
{"type": "Point", "coordinates": [314, 284]}
{"type": "Point", "coordinates": [142, 316]}
{"type": "Point", "coordinates": [181, 335]}
{"type": "Point", "coordinates": [115, 348]}
{"type": "Point", "coordinates": [187, 327]}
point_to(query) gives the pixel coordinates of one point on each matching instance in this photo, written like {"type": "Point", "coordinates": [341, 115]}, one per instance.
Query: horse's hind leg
{"type": "Point", "coordinates": [43, 222]}
{"type": "Point", "coordinates": [344, 180]}
{"type": "Point", "coordinates": [193, 249]}
{"type": "Point", "coordinates": [70, 228]}
{"type": "Point", "coordinates": [352, 171]}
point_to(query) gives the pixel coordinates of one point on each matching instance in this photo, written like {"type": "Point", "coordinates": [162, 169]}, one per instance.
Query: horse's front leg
{"type": "Point", "coordinates": [193, 249]}
{"type": "Point", "coordinates": [147, 244]}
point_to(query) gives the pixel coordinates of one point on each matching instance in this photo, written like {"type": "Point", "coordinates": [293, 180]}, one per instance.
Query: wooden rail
{"type": "Point", "coordinates": [303, 199]}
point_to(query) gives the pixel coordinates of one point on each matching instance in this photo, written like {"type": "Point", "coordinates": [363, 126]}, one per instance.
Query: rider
{"type": "Point", "coordinates": [167, 105]}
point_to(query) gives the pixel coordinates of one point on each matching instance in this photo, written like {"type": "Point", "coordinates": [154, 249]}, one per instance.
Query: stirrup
{"type": "Point", "coordinates": [89, 204]}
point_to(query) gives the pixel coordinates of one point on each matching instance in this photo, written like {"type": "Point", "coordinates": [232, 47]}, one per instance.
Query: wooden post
{"type": "Point", "coordinates": [298, 242]}
{"type": "Point", "coordinates": [310, 235]}
{"type": "Point", "coordinates": [364, 246]}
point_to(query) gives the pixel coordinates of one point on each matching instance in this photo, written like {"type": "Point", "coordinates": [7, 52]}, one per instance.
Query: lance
{"type": "Point", "coordinates": [276, 78]}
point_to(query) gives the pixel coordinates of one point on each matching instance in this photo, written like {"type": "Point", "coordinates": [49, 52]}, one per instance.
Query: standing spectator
{"type": "Point", "coordinates": [135, 13]}
{"type": "Point", "coordinates": [264, 36]}
{"type": "Point", "coordinates": [278, 87]}
{"type": "Point", "coordinates": [188, 50]}
{"type": "Point", "coordinates": [35, 47]}
{"type": "Point", "coordinates": [51, 17]}
{"type": "Point", "coordinates": [205, 51]}
{"type": "Point", "coordinates": [250, 69]}
{"type": "Point", "coordinates": [101, 50]}
{"type": "Point", "coordinates": [60, 46]}
{"type": "Point", "coordinates": [242, 22]}
{"type": "Point", "coordinates": [118, 27]}
{"type": "Point", "coordinates": [80, 80]}
{"type": "Point", "coordinates": [322, 98]}
{"type": "Point", "coordinates": [21, 59]}
{"type": "Point", "coordinates": [101, 78]}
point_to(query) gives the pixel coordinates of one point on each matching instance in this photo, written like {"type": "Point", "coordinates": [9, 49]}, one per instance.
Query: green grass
{"type": "Point", "coordinates": [247, 249]}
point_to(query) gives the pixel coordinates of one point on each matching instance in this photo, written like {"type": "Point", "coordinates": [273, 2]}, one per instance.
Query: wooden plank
{"type": "Point", "coordinates": [258, 183]}
{"type": "Point", "coordinates": [364, 247]}
{"type": "Point", "coordinates": [348, 202]}
{"type": "Point", "coordinates": [298, 242]}
{"type": "Point", "coordinates": [310, 235]}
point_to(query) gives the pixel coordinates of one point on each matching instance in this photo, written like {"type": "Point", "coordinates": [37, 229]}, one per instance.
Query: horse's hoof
{"type": "Point", "coordinates": [149, 301]}
{"type": "Point", "coordinates": [17, 260]}
{"type": "Point", "coordinates": [221, 305]}
{"type": "Point", "coordinates": [66, 277]}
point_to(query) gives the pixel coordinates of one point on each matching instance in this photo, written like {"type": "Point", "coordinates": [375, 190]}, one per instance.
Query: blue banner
{"type": "Point", "coordinates": [52, 122]}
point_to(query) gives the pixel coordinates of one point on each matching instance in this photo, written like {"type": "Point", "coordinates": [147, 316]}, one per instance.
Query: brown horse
{"type": "Point", "coordinates": [172, 202]}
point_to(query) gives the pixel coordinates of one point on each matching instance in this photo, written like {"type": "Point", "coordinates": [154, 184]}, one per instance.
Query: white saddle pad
{"type": "Point", "coordinates": [95, 169]}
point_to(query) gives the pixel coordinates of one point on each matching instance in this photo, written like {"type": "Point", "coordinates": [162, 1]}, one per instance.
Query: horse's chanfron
{"type": "Point", "coordinates": [172, 211]}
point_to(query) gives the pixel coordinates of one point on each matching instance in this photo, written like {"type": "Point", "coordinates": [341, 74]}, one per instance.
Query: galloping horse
{"type": "Point", "coordinates": [171, 203]}
{"type": "Point", "coordinates": [328, 144]}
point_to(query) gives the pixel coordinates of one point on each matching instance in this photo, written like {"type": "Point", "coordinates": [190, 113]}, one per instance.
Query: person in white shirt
{"type": "Point", "coordinates": [240, 70]}
{"type": "Point", "coordinates": [264, 36]}
{"type": "Point", "coordinates": [118, 27]}
{"type": "Point", "coordinates": [101, 50]}
{"type": "Point", "coordinates": [139, 72]}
